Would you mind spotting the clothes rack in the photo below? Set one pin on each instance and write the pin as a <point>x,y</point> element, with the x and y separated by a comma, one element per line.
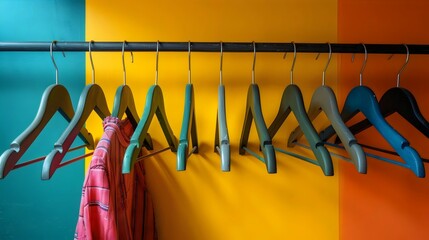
<point>215,47</point>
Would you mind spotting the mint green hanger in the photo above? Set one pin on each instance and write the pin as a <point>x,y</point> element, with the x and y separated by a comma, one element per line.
<point>124,102</point>
<point>254,112</point>
<point>292,102</point>
<point>189,127</point>
<point>91,99</point>
<point>154,105</point>
<point>221,135</point>
<point>55,98</point>
<point>324,99</point>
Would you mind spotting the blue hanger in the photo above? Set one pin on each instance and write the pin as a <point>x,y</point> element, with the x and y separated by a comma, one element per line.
<point>292,101</point>
<point>154,105</point>
<point>91,99</point>
<point>55,98</point>
<point>254,112</point>
<point>222,145</point>
<point>124,103</point>
<point>189,127</point>
<point>399,100</point>
<point>324,99</point>
<point>362,99</point>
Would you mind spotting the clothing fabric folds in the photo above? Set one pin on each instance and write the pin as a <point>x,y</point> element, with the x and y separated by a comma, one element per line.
<point>114,205</point>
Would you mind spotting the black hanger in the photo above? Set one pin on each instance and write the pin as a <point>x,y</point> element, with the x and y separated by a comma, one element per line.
<point>154,105</point>
<point>55,98</point>
<point>362,99</point>
<point>91,99</point>
<point>254,112</point>
<point>292,102</point>
<point>399,100</point>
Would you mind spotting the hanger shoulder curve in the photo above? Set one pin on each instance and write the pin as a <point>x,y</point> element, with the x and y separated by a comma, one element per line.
<point>324,100</point>
<point>124,104</point>
<point>254,112</point>
<point>189,128</point>
<point>222,145</point>
<point>91,99</point>
<point>154,106</point>
<point>55,98</point>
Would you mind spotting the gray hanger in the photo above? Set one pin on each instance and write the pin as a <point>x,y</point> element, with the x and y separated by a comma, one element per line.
<point>324,99</point>
<point>292,101</point>
<point>221,136</point>
<point>91,99</point>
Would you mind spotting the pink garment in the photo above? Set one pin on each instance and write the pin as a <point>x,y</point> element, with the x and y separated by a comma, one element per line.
<point>114,205</point>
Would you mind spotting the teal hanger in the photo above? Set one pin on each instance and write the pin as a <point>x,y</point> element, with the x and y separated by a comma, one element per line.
<point>292,101</point>
<point>91,99</point>
<point>362,99</point>
<point>221,136</point>
<point>124,103</point>
<point>254,112</point>
<point>55,98</point>
<point>154,105</point>
<point>189,127</point>
<point>324,99</point>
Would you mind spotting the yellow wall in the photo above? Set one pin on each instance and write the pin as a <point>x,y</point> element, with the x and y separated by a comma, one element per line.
<point>298,202</point>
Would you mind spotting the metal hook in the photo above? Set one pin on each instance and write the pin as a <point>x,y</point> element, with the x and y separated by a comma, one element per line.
<point>53,60</point>
<point>189,62</point>
<point>156,66</point>
<point>92,63</point>
<point>221,63</point>
<point>293,63</point>
<point>254,61</point>
<point>403,67</point>
<point>123,61</point>
<point>327,64</point>
<point>363,65</point>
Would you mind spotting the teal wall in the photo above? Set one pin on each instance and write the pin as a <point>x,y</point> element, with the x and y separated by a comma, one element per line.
<point>53,209</point>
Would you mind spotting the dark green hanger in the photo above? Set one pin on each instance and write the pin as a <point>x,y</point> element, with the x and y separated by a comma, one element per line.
<point>324,99</point>
<point>154,105</point>
<point>292,102</point>
<point>254,112</point>
<point>221,136</point>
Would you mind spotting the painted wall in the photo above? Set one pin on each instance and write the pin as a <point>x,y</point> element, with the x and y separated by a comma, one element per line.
<point>29,207</point>
<point>298,202</point>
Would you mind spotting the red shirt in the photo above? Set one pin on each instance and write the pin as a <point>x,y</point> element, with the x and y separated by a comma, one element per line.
<point>114,205</point>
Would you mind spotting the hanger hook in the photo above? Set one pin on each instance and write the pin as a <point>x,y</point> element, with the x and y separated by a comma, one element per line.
<point>156,66</point>
<point>363,65</point>
<point>293,62</point>
<point>53,60</point>
<point>123,61</point>
<point>398,77</point>
<point>92,63</point>
<point>327,64</point>
<point>254,61</point>
<point>189,62</point>
<point>221,63</point>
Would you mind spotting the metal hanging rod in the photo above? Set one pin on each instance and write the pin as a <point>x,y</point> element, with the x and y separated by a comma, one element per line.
<point>215,47</point>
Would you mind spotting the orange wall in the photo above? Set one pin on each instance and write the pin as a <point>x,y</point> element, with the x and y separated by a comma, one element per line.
<point>389,202</point>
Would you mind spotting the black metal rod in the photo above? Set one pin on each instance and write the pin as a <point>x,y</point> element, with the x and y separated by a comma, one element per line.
<point>215,47</point>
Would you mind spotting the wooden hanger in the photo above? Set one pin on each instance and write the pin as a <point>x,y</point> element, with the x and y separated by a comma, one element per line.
<point>189,127</point>
<point>91,99</point>
<point>221,144</point>
<point>324,99</point>
<point>254,112</point>
<point>362,99</point>
<point>154,105</point>
<point>55,98</point>
<point>292,102</point>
